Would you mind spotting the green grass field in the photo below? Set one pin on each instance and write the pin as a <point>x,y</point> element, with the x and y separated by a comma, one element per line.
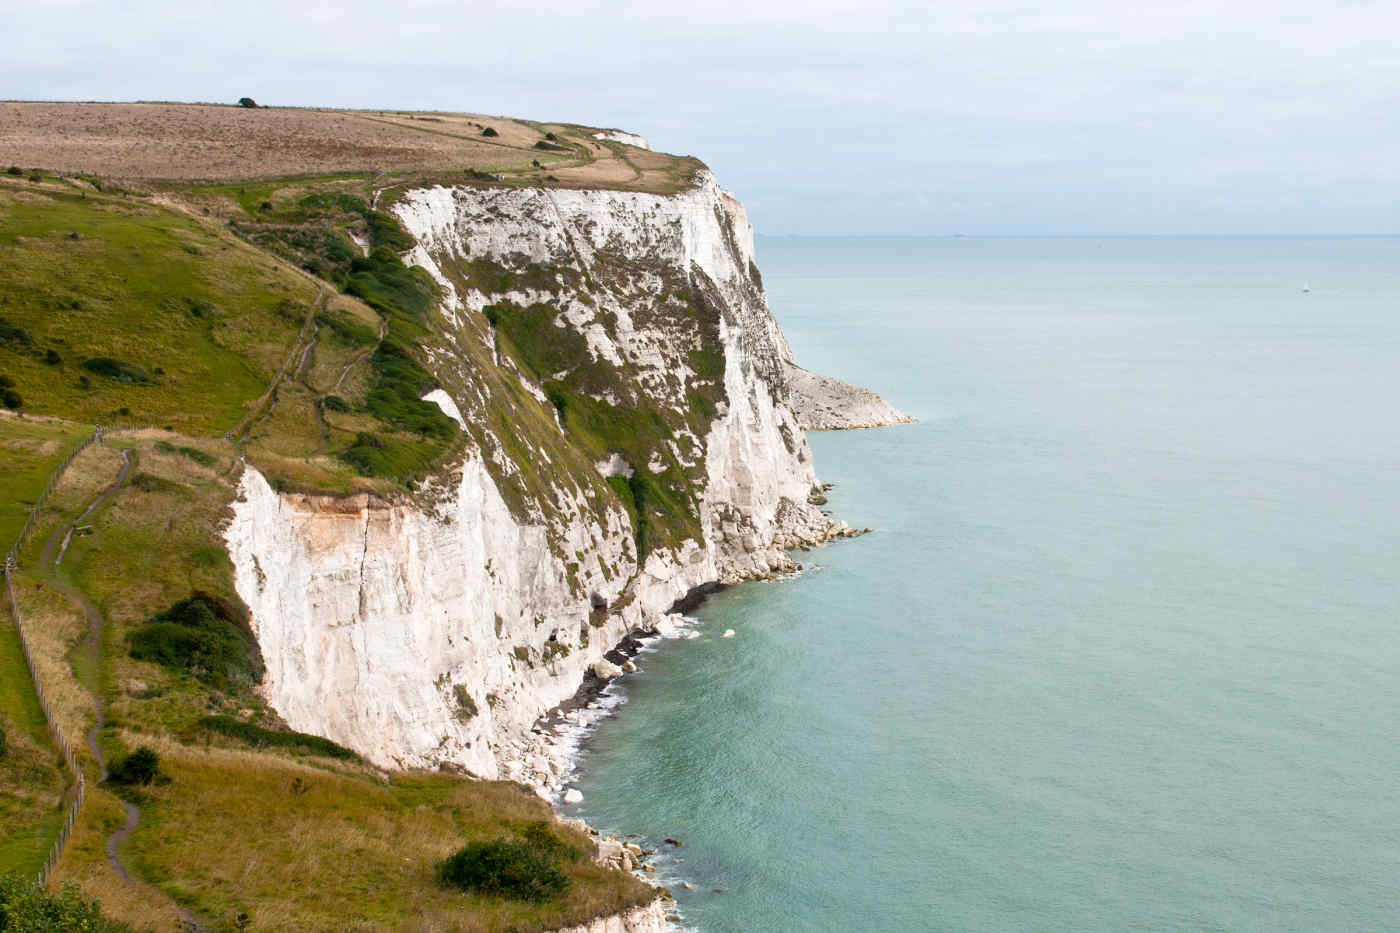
<point>29,450</point>
<point>201,321</point>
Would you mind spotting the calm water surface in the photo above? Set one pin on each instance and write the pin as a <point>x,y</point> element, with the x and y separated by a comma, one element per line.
<point>1124,652</point>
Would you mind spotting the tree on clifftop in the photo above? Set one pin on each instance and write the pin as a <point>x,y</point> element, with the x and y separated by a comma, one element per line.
<point>247,102</point>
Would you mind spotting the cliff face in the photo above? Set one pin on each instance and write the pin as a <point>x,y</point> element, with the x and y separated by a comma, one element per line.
<point>622,389</point>
<point>648,919</point>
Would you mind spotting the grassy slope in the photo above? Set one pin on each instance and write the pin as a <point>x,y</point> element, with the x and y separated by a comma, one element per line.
<point>148,287</point>
<point>164,290</point>
<point>322,849</point>
<point>31,774</point>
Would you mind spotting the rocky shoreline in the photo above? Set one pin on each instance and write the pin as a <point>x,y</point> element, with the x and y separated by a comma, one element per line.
<point>822,403</point>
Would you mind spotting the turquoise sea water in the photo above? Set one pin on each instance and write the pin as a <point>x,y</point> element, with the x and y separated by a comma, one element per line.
<point>1125,650</point>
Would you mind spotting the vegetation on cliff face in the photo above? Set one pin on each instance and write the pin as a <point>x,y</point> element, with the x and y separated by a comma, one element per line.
<point>604,407</point>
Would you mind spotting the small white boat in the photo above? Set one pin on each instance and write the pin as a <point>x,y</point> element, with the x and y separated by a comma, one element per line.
<point>1306,288</point>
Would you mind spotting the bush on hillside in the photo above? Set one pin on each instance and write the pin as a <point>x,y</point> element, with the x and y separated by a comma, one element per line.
<point>26,907</point>
<point>489,132</point>
<point>503,868</point>
<point>348,329</point>
<point>14,336</point>
<point>4,743</point>
<point>247,102</point>
<point>14,170</point>
<point>335,403</point>
<point>11,399</point>
<point>258,737</point>
<point>193,453</point>
<point>202,636</point>
<point>140,767</point>
<point>118,370</point>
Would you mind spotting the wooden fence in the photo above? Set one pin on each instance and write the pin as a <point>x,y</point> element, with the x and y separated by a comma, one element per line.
<point>11,564</point>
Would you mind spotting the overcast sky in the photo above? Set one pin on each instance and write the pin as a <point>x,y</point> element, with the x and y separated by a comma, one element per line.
<point>823,117</point>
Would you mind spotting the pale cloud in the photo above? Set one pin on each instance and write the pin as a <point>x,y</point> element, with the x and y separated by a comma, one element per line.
<point>836,117</point>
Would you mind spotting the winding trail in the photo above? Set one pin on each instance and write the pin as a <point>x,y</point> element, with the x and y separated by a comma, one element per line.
<point>301,352</point>
<point>90,650</point>
<point>320,405</point>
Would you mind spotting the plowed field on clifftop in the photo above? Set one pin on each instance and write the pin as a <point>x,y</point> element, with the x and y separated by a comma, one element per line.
<point>209,142</point>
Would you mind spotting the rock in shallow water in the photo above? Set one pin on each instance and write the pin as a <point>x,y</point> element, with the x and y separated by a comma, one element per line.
<point>572,795</point>
<point>604,669</point>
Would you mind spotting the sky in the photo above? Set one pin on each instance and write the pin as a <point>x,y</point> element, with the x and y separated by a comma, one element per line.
<point>881,117</point>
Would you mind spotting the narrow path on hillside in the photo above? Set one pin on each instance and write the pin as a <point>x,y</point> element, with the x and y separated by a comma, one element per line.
<point>321,399</point>
<point>300,352</point>
<point>383,329</point>
<point>89,655</point>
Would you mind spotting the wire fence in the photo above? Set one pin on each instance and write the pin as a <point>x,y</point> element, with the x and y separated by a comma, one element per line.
<point>11,565</point>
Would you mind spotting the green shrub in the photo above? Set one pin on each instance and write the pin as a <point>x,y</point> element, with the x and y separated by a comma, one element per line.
<point>194,453</point>
<point>384,283</point>
<point>337,201</point>
<point>247,102</point>
<point>51,357</point>
<point>149,482</point>
<point>466,706</point>
<point>25,907</point>
<point>335,403</point>
<point>198,456</point>
<point>14,170</point>
<point>203,636</point>
<point>118,370</point>
<point>258,737</point>
<point>489,132</point>
<point>396,396</point>
<point>384,230</point>
<point>11,399</point>
<point>210,555</point>
<point>515,870</point>
<point>4,743</point>
<point>14,336</point>
<point>348,329</point>
<point>140,767</point>
<point>403,460</point>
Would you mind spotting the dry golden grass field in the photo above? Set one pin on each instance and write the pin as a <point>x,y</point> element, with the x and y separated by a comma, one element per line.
<point>174,142</point>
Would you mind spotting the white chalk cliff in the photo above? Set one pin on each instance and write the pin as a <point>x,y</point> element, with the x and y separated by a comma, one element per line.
<point>435,629</point>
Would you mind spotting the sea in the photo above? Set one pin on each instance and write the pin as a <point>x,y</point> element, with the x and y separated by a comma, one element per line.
<point>1123,651</point>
